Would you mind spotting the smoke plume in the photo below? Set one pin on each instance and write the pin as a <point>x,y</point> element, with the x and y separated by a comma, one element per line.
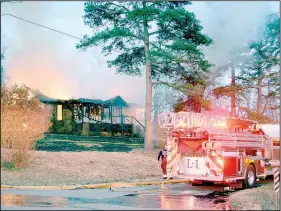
<point>231,25</point>
<point>49,61</point>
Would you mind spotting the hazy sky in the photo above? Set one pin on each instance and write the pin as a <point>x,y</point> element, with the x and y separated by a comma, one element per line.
<point>50,62</point>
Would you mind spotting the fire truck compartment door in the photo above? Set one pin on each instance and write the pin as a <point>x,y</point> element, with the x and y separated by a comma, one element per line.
<point>193,166</point>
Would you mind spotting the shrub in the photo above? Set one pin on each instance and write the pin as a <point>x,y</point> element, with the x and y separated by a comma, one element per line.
<point>23,122</point>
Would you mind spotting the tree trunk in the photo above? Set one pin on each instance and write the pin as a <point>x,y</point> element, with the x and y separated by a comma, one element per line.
<point>267,99</point>
<point>259,102</point>
<point>248,100</point>
<point>148,103</point>
<point>233,97</point>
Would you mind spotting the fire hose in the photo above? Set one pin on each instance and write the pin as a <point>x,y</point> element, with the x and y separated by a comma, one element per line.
<point>163,188</point>
<point>111,186</point>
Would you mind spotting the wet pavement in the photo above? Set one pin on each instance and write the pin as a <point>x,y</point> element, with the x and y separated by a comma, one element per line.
<point>178,196</point>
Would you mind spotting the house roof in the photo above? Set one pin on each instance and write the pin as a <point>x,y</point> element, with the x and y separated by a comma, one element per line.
<point>48,100</point>
<point>116,101</point>
<point>95,101</point>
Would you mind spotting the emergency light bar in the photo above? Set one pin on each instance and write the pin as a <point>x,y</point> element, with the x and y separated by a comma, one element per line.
<point>190,120</point>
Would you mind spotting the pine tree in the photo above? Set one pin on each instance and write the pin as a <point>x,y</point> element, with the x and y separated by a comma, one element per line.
<point>162,35</point>
<point>261,69</point>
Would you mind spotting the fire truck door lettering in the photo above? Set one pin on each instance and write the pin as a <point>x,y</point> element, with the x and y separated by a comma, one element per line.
<point>191,165</point>
<point>196,163</point>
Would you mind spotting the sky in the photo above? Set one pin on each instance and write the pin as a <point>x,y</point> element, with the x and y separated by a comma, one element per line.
<point>49,61</point>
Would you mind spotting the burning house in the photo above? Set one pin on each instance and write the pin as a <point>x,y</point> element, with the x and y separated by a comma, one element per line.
<point>95,116</point>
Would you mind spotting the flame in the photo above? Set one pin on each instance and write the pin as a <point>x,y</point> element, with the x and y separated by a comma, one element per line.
<point>221,124</point>
<point>41,73</point>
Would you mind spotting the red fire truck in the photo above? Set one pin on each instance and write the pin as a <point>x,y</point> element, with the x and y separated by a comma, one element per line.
<point>221,150</point>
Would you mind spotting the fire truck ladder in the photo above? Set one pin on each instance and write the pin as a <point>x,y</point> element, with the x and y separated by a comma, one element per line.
<point>239,140</point>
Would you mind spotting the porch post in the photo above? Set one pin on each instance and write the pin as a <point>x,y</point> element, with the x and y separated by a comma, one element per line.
<point>122,121</point>
<point>111,113</point>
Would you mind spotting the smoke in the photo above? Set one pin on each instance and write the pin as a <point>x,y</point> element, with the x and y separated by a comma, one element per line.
<point>49,61</point>
<point>231,25</point>
<point>33,53</point>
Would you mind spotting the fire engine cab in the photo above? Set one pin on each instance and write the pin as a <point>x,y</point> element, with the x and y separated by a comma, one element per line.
<point>222,150</point>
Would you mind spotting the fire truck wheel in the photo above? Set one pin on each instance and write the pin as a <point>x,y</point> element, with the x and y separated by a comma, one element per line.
<point>250,177</point>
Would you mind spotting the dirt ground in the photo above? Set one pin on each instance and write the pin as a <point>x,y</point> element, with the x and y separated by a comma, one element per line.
<point>76,168</point>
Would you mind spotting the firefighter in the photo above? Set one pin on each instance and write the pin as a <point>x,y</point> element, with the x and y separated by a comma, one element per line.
<point>163,154</point>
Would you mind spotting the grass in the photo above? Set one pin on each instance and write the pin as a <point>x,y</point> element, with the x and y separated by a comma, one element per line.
<point>75,143</point>
<point>8,165</point>
<point>260,198</point>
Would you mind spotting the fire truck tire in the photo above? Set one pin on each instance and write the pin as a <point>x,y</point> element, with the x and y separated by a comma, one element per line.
<point>250,177</point>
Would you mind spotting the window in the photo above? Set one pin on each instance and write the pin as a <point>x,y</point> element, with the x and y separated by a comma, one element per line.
<point>59,112</point>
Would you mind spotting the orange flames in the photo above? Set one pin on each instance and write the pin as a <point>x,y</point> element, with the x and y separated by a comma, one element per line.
<point>40,73</point>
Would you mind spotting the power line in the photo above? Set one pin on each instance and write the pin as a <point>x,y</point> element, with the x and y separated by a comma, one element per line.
<point>7,1</point>
<point>3,1</point>
<point>42,26</point>
<point>59,16</point>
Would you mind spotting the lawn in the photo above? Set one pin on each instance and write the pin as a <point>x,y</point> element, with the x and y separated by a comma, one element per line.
<point>74,143</point>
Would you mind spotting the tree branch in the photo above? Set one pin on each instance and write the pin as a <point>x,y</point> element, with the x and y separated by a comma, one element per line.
<point>158,31</point>
<point>270,16</point>
<point>120,6</point>
<point>160,82</point>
